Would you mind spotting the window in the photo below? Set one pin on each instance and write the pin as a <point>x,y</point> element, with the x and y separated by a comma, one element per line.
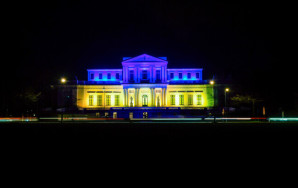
<point>190,100</point>
<point>99,100</point>
<point>199,99</point>
<point>99,76</point>
<point>117,76</point>
<point>90,100</point>
<point>116,100</point>
<point>144,75</point>
<point>91,76</point>
<point>109,75</point>
<point>158,75</point>
<point>180,75</point>
<point>181,99</point>
<point>172,97</point>
<point>189,75</point>
<point>197,75</point>
<point>131,75</point>
<point>108,100</point>
<point>172,75</point>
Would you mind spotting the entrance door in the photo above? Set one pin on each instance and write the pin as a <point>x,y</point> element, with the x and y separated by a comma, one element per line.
<point>145,100</point>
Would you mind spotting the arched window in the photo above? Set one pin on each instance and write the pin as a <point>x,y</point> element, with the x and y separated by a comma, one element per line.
<point>131,102</point>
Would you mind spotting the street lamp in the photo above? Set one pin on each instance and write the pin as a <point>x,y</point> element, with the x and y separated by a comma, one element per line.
<point>212,84</point>
<point>226,90</point>
<point>62,81</point>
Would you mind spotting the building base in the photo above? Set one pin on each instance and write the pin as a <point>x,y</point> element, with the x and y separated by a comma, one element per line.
<point>149,112</point>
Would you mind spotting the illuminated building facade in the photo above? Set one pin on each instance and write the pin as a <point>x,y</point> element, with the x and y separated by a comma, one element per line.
<point>144,82</point>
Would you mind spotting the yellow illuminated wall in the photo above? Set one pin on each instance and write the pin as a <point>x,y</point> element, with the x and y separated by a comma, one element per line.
<point>206,91</point>
<point>84,91</point>
<point>136,95</point>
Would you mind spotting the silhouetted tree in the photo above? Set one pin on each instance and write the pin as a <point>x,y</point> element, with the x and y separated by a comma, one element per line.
<point>29,99</point>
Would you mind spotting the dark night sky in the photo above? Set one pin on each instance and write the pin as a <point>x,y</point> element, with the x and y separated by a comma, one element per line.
<point>241,43</point>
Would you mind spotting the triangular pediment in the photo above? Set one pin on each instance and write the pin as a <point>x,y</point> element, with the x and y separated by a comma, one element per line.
<point>144,58</point>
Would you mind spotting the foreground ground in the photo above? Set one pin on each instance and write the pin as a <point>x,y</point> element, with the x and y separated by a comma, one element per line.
<point>134,133</point>
<point>223,153</point>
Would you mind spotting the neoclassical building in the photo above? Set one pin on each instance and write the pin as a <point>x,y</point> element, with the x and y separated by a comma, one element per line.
<point>144,82</point>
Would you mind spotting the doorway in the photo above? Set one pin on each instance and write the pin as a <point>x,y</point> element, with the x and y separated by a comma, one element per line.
<point>145,100</point>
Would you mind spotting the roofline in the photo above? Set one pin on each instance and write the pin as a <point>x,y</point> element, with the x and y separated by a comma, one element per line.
<point>146,61</point>
<point>104,69</point>
<point>182,69</point>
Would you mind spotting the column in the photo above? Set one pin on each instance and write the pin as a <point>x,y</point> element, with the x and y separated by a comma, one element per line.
<point>162,91</point>
<point>166,75</point>
<point>161,75</point>
<point>154,74</point>
<point>164,96</point>
<point>135,97</point>
<point>154,97</point>
<point>165,103</point>
<point>138,96</point>
<point>161,98</point>
<point>126,74</point>
<point>137,70</point>
<point>151,89</point>
<point>151,74</point>
<point>139,74</point>
<point>123,74</point>
<point>127,97</point>
<point>124,95</point>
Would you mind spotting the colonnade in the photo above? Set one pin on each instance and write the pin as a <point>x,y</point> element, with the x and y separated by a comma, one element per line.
<point>138,98</point>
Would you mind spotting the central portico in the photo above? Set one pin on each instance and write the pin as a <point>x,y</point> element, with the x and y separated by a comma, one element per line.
<point>144,69</point>
<point>144,95</point>
<point>144,81</point>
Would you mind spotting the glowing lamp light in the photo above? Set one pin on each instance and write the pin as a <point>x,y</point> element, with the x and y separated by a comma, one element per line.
<point>63,80</point>
<point>212,82</point>
<point>227,89</point>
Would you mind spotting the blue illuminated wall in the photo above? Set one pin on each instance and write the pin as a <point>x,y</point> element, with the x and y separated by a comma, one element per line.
<point>186,75</point>
<point>102,74</point>
<point>145,69</point>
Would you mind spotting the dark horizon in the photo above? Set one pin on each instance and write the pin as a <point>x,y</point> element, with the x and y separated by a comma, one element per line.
<point>243,45</point>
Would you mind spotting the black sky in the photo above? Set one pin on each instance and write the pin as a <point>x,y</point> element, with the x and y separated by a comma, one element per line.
<point>244,43</point>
